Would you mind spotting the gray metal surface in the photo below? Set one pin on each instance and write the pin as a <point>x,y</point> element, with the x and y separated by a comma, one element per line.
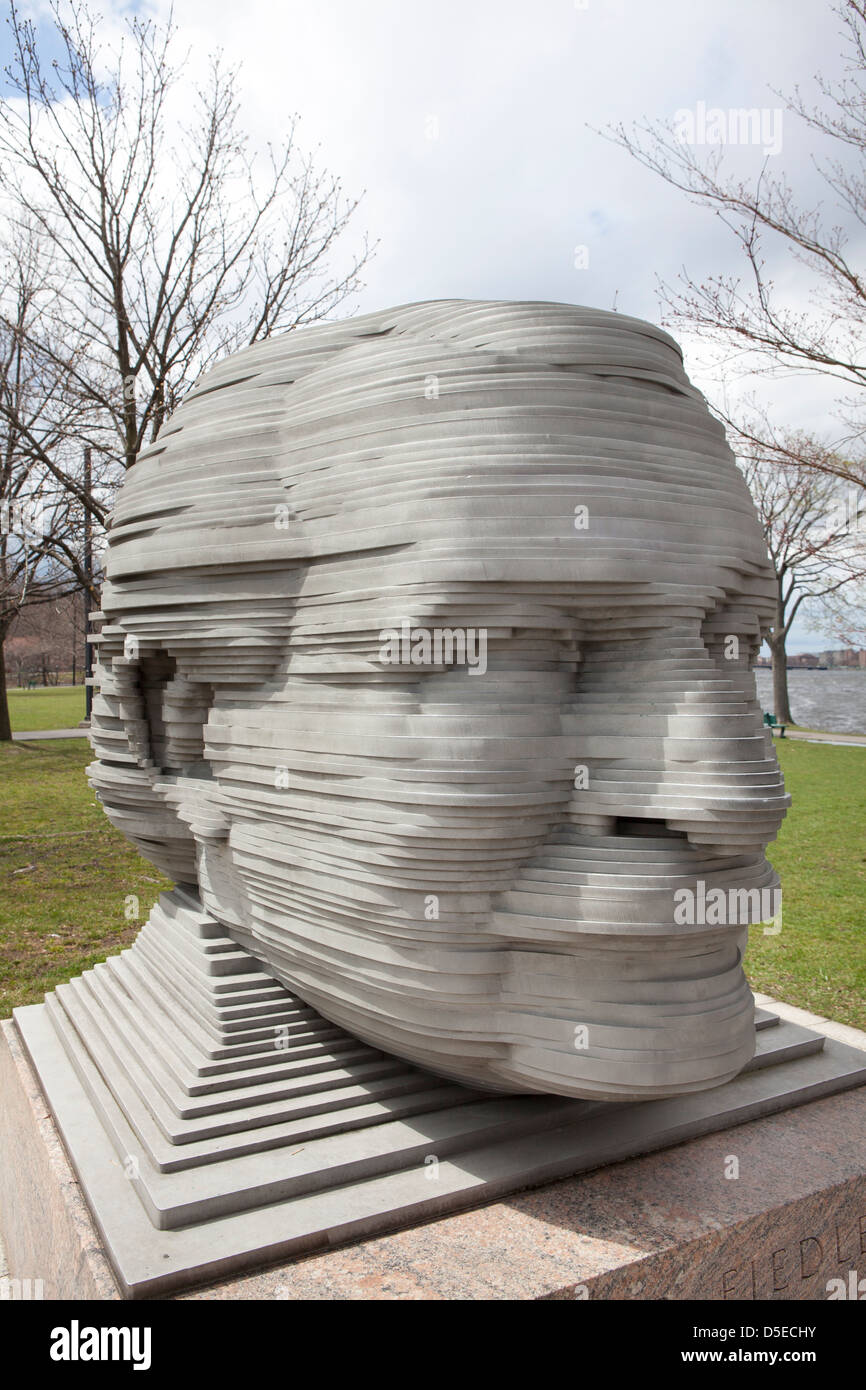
<point>216,1123</point>
<point>469,864</point>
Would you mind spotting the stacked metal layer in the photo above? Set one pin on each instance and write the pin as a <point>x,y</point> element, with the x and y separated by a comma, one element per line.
<point>426,663</point>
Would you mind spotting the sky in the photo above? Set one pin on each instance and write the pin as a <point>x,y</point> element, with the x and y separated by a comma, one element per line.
<point>471,127</point>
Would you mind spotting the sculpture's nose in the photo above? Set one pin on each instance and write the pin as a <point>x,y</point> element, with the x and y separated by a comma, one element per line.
<point>666,731</point>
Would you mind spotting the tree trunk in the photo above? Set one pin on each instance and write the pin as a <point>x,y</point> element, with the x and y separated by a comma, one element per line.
<point>5,722</point>
<point>781,704</point>
<point>776,642</point>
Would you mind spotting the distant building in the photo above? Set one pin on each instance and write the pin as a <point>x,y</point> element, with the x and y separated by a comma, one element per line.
<point>850,657</point>
<point>844,656</point>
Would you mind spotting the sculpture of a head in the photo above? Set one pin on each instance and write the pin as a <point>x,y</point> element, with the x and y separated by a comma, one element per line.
<point>426,661</point>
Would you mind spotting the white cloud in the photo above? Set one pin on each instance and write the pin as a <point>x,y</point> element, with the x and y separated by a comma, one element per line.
<point>516,179</point>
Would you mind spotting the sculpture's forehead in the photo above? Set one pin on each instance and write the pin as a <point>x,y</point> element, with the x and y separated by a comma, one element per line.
<point>471,438</point>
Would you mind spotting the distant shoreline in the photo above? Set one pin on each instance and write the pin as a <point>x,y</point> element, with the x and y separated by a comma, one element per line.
<point>814,668</point>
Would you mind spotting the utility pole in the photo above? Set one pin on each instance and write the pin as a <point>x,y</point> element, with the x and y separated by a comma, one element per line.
<point>88,591</point>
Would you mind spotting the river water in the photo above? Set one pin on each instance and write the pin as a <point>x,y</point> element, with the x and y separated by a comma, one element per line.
<point>833,700</point>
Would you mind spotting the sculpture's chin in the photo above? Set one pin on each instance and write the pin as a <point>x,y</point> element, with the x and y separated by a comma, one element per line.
<point>577,981</point>
<point>673,1021</point>
<point>579,1005</point>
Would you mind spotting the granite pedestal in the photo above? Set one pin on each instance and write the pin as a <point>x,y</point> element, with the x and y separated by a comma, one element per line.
<point>201,1151</point>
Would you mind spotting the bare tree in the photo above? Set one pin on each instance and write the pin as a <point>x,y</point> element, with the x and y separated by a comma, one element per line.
<point>45,642</point>
<point>841,616</point>
<point>794,476</point>
<point>38,521</point>
<point>816,542</point>
<point>752,425</point>
<point>751,315</point>
<point>162,248</point>
<point>176,245</point>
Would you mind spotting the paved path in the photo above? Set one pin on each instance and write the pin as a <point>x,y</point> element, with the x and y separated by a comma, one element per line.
<point>29,734</point>
<point>841,740</point>
<point>842,1032</point>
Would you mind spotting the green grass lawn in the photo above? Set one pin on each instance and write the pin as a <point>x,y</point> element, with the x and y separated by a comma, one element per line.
<point>67,876</point>
<point>818,960</point>
<point>54,707</point>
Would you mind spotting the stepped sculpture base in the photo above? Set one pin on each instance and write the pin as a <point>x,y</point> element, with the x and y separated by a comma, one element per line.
<point>216,1123</point>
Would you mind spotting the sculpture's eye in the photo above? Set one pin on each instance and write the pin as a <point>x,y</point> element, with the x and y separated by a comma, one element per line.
<point>175,710</point>
<point>154,674</point>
